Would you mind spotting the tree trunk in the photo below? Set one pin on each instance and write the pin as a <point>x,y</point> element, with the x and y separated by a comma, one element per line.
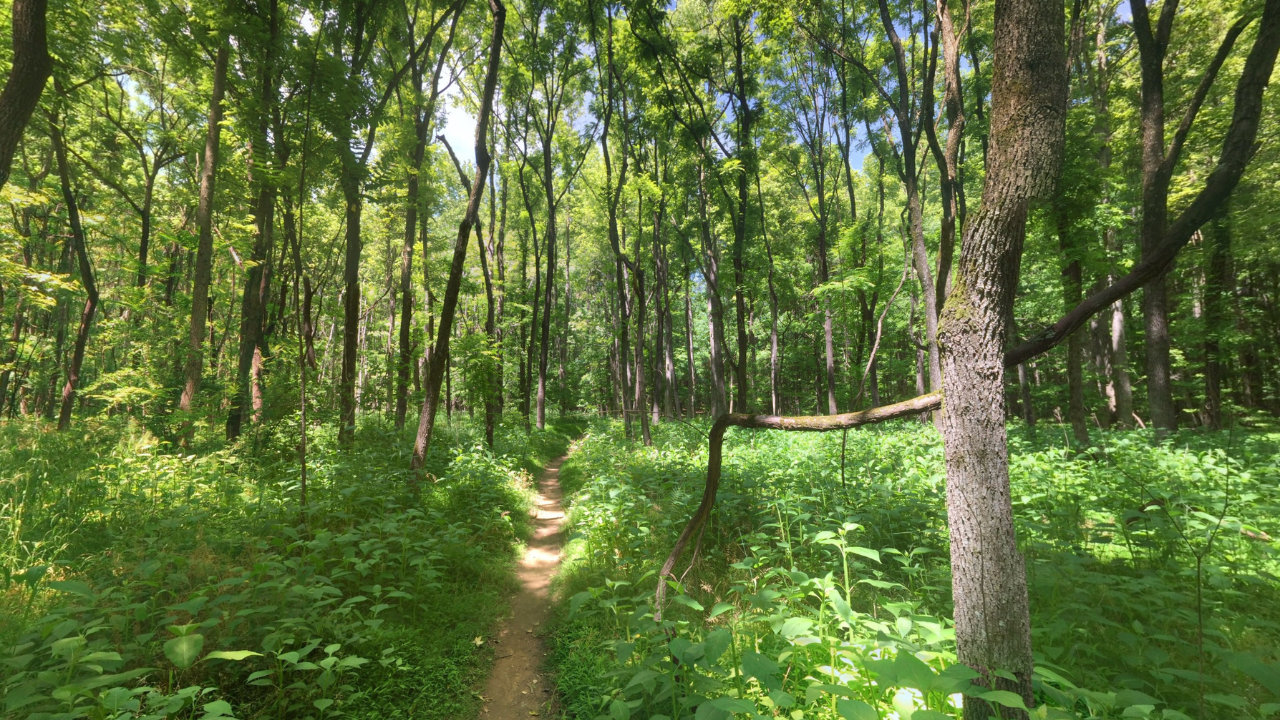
<point>1072,290</point>
<point>204,247</point>
<point>86,274</point>
<point>439,356</point>
<point>350,297</point>
<point>253,307</point>
<point>27,77</point>
<point>1219,282</point>
<point>715,310</point>
<point>688,338</point>
<point>500,260</point>
<point>1119,387</point>
<point>993,627</point>
<point>490,325</point>
<point>406,272</point>
<point>638,374</point>
<point>745,150</point>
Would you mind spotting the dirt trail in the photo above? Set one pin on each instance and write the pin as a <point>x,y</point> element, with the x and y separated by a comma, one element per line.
<point>518,689</point>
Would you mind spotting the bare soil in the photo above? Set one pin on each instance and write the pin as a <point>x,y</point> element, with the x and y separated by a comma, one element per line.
<point>518,688</point>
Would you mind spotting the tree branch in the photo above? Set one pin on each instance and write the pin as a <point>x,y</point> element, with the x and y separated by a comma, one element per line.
<point>1197,100</point>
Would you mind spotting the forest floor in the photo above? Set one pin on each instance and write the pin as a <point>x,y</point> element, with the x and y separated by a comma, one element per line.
<point>821,588</point>
<point>136,579</point>
<point>518,687</point>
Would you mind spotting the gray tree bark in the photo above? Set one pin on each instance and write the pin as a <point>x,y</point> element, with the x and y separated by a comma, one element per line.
<point>1029,92</point>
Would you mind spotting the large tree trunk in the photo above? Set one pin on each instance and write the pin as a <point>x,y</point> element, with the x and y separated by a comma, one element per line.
<point>993,625</point>
<point>204,247</point>
<point>86,275</point>
<point>27,77</point>
<point>440,355</point>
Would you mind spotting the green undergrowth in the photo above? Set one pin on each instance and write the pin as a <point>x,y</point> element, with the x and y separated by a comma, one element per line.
<point>823,591</point>
<point>141,582</point>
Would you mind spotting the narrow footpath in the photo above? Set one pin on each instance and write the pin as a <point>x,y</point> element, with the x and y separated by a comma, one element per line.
<point>518,689</point>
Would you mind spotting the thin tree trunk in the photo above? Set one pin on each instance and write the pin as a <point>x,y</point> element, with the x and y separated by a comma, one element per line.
<point>86,274</point>
<point>204,247</point>
<point>1119,387</point>
<point>439,357</point>
<point>688,337</point>
<point>548,300</point>
<point>490,319</point>
<point>1072,291</point>
<point>638,374</point>
<point>1219,281</point>
<point>745,150</point>
<point>715,310</point>
<point>406,272</point>
<point>257,284</point>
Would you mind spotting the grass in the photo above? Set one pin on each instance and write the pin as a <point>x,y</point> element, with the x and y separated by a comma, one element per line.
<point>143,582</point>
<point>823,591</point>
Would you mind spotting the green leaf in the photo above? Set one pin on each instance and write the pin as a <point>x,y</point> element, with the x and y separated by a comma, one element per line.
<point>688,602</point>
<point>74,587</point>
<point>116,679</point>
<point>842,608</point>
<point>719,609</point>
<point>234,655</point>
<point>1005,698</point>
<point>1234,701</point>
<point>716,643</point>
<point>185,650</point>
<point>1268,676</point>
<point>1125,698</point>
<point>795,627</point>
<point>913,673</point>
<point>575,602</point>
<point>217,709</point>
<point>782,699</point>
<point>755,665</point>
<point>191,606</point>
<point>856,710</point>
<point>619,710</point>
<point>733,705</point>
<point>865,552</point>
<point>323,703</point>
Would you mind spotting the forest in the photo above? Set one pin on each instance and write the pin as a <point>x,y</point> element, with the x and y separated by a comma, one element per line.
<point>613,359</point>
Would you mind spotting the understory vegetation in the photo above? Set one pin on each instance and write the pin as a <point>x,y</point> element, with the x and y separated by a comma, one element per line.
<point>821,585</point>
<point>141,581</point>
